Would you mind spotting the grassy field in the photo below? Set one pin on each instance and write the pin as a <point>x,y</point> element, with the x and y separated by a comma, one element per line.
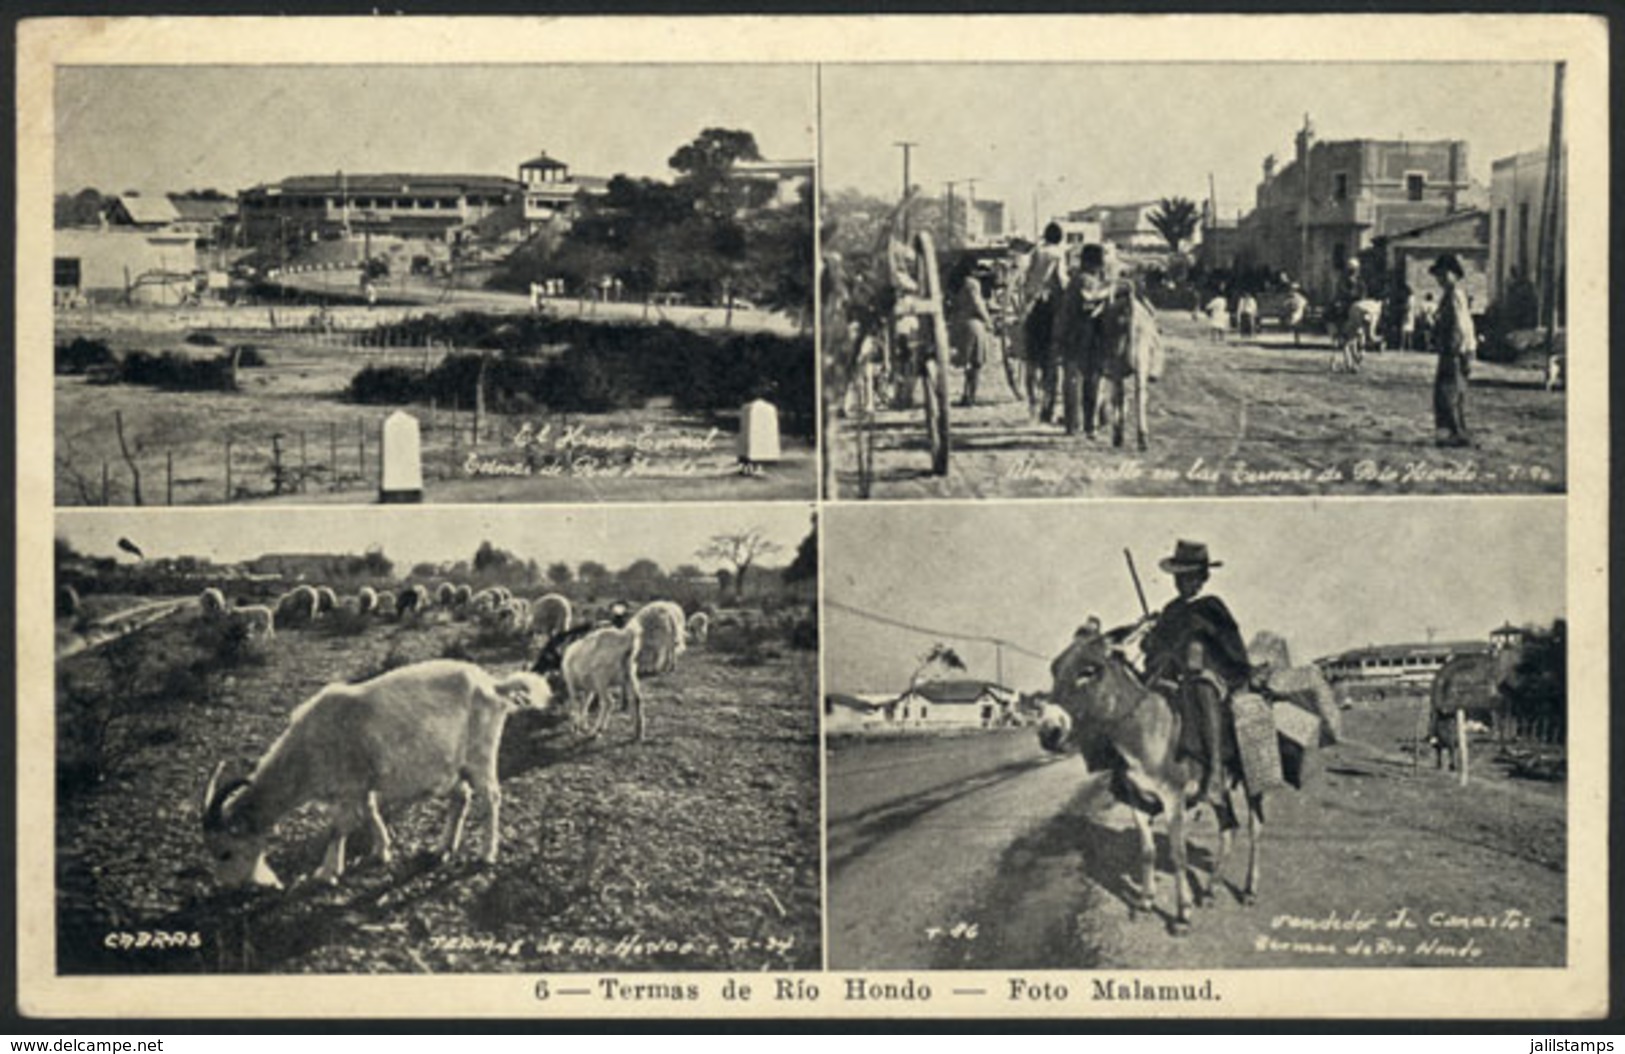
<point>695,850</point>
<point>330,448</point>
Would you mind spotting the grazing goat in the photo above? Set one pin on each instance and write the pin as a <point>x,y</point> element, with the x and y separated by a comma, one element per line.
<point>462,595</point>
<point>428,729</point>
<point>485,600</point>
<point>366,600</point>
<point>386,603</point>
<point>699,627</point>
<point>598,665</point>
<point>664,636</point>
<point>212,601</point>
<point>298,605</point>
<point>414,599</point>
<point>551,614</point>
<point>326,600</point>
<point>446,595</point>
<point>551,659</point>
<point>258,619</point>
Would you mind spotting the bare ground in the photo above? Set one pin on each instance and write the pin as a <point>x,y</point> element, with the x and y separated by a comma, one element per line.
<point>1044,865</point>
<point>697,849</point>
<point>1253,417</point>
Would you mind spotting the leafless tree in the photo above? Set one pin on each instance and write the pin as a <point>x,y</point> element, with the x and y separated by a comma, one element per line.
<point>741,549</point>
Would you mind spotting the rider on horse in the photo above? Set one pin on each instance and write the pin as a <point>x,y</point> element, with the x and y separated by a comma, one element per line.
<point>1194,654</point>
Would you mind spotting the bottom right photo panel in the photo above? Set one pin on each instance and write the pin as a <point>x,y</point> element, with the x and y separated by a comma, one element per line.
<point>1198,735</point>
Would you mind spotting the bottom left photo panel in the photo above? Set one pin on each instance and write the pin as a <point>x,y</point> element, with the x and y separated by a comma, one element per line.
<point>437,740</point>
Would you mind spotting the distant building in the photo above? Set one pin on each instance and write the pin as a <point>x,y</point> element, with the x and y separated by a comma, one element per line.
<point>1397,664</point>
<point>424,207</point>
<point>1408,255</point>
<point>551,192</point>
<point>147,213</point>
<point>1126,226</point>
<point>1075,234</point>
<point>1218,246</point>
<point>125,264</point>
<point>787,179</point>
<point>1335,198</point>
<point>1517,187</point>
<point>1507,636</point>
<point>211,220</point>
<point>957,703</point>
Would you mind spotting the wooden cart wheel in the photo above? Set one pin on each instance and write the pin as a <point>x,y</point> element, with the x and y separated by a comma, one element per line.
<point>934,362</point>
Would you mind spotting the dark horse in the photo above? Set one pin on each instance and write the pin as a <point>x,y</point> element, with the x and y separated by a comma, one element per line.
<point>1102,709</point>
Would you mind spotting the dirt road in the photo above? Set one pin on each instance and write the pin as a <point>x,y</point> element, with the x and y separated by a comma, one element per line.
<point>1253,417</point>
<point>1374,864</point>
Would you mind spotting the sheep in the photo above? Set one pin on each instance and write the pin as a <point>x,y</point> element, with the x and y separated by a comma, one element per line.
<point>514,616</point>
<point>386,604</point>
<point>664,636</point>
<point>598,664</point>
<point>326,600</point>
<point>212,601</point>
<point>426,729</point>
<point>258,619</point>
<point>366,600</point>
<point>551,614</point>
<point>699,627</point>
<point>463,595</point>
<point>486,600</point>
<point>446,595</point>
<point>297,606</point>
<point>413,599</point>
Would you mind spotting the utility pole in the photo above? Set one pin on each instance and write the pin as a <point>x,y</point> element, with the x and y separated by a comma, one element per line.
<point>907,147</point>
<point>1303,233</point>
<point>1551,213</point>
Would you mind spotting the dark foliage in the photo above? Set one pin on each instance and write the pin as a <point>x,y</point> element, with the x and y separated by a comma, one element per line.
<point>175,372</point>
<point>82,355</point>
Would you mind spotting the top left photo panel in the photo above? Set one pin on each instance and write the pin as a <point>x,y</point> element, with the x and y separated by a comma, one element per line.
<point>360,284</point>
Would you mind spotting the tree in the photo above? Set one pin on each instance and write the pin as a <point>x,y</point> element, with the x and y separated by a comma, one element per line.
<point>940,656</point>
<point>725,579</point>
<point>559,574</point>
<point>741,549</point>
<point>1175,219</point>
<point>642,577</point>
<point>490,558</point>
<point>805,565</point>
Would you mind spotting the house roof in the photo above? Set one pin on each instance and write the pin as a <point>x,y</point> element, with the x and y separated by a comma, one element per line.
<point>203,210</point>
<point>390,183</point>
<point>851,702</point>
<point>154,210</point>
<point>543,161</point>
<point>1433,650</point>
<point>958,691</point>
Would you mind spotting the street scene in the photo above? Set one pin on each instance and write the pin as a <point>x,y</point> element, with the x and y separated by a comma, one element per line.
<point>299,713</point>
<point>1016,702</point>
<point>609,300</point>
<point>1327,279</point>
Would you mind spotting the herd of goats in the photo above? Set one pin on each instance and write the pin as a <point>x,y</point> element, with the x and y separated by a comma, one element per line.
<point>427,729</point>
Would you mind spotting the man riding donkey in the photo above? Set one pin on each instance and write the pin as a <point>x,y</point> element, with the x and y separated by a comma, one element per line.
<point>1195,655</point>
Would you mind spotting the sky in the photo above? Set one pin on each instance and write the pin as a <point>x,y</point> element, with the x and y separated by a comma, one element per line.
<point>158,129</point>
<point>1328,575</point>
<point>612,535</point>
<point>1100,133</point>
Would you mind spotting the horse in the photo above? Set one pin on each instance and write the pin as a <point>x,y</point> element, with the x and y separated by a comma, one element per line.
<point>1357,333</point>
<point>1101,708</point>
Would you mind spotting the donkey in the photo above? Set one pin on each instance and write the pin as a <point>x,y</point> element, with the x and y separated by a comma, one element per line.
<point>1103,710</point>
<point>1130,348</point>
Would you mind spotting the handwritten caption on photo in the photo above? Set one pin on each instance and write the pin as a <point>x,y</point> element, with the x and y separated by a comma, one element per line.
<point>577,452</point>
<point>1402,932</point>
<point>1243,474</point>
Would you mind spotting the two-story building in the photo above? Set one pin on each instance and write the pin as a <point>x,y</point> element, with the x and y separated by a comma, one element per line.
<point>1335,198</point>
<point>552,192</point>
<point>1517,192</point>
<point>409,206</point>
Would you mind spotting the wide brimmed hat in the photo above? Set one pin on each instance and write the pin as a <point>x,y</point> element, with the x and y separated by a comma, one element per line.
<point>1188,556</point>
<point>1447,262</point>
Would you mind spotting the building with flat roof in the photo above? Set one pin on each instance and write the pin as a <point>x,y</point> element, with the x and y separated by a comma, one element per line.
<point>427,207</point>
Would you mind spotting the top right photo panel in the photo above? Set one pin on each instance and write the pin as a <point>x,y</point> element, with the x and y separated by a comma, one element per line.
<point>1167,279</point>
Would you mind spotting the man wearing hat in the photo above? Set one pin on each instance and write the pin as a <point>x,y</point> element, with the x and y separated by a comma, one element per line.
<point>1080,340</point>
<point>1455,342</point>
<point>1196,645</point>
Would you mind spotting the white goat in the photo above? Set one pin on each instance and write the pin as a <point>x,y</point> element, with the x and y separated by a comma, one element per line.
<point>427,729</point>
<point>366,600</point>
<point>699,627</point>
<point>551,614</point>
<point>297,606</point>
<point>386,603</point>
<point>326,599</point>
<point>412,600</point>
<point>445,595</point>
<point>664,636</point>
<point>598,666</point>
<point>212,601</point>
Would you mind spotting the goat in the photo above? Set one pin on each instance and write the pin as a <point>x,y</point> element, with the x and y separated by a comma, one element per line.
<point>298,605</point>
<point>598,664</point>
<point>551,614</point>
<point>258,619</point>
<point>366,600</point>
<point>699,627</point>
<point>326,599</point>
<point>446,595</point>
<point>386,603</point>
<point>426,729</point>
<point>212,601</point>
<point>412,600</point>
<point>664,636</point>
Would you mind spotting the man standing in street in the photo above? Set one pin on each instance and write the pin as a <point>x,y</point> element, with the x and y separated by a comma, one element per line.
<point>1455,342</point>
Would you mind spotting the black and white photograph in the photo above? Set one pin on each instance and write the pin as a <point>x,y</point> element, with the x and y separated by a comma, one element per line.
<point>1051,280</point>
<point>425,741</point>
<point>1199,736</point>
<point>573,283</point>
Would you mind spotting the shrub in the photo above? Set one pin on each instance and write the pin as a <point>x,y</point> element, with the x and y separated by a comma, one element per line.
<point>177,372</point>
<point>202,339</point>
<point>344,622</point>
<point>803,634</point>
<point>82,355</point>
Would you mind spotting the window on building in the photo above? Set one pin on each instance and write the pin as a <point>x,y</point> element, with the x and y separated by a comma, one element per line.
<point>65,272</point>
<point>1415,183</point>
<point>1340,186</point>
